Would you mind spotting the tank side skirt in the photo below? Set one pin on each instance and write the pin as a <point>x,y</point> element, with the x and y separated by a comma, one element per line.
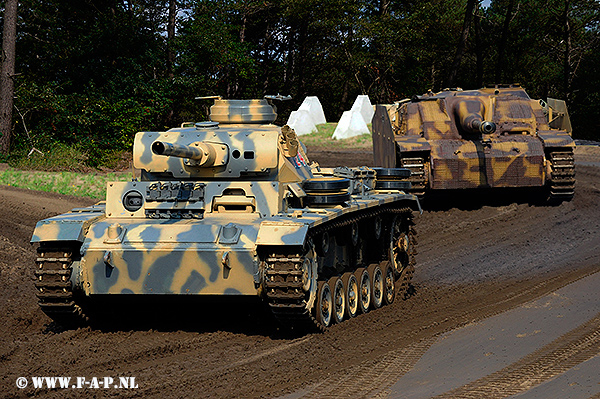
<point>283,272</point>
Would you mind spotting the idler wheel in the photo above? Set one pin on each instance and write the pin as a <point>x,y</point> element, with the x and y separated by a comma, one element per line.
<point>350,293</point>
<point>339,299</point>
<point>399,245</point>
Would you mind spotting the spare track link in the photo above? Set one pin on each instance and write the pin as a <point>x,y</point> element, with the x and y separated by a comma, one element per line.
<point>418,178</point>
<point>283,275</point>
<point>562,179</point>
<point>54,287</point>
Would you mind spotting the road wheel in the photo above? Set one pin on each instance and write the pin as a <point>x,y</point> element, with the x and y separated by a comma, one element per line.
<point>350,293</point>
<point>338,299</point>
<point>324,305</point>
<point>377,285</point>
<point>389,284</point>
<point>364,289</point>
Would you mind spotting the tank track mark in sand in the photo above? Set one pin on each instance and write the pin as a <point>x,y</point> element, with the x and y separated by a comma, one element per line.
<point>567,351</point>
<point>54,287</point>
<point>562,177</point>
<point>283,275</point>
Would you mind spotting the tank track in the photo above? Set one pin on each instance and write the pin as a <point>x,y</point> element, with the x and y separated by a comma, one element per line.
<point>418,174</point>
<point>54,287</point>
<point>283,275</point>
<point>562,176</point>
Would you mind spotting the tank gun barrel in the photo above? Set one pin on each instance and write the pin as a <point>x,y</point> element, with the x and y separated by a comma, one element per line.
<point>470,118</point>
<point>199,153</point>
<point>482,126</point>
<point>177,150</point>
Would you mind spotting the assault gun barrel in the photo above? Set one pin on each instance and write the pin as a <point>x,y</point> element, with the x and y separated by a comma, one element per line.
<point>470,118</point>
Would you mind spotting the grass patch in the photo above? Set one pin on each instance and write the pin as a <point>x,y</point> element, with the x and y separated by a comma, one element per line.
<point>59,158</point>
<point>322,138</point>
<point>92,185</point>
<point>71,158</point>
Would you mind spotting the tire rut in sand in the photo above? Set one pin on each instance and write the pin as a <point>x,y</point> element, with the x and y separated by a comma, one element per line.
<point>567,351</point>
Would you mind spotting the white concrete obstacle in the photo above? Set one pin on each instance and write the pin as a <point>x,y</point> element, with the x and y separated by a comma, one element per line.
<point>301,122</point>
<point>351,124</point>
<point>363,105</point>
<point>314,108</point>
<point>307,117</point>
<point>354,122</point>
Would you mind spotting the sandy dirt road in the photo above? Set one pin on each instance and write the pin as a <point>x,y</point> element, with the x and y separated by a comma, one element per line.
<point>477,259</point>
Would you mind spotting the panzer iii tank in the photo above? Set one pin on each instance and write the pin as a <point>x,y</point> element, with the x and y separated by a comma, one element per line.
<point>489,138</point>
<point>234,210</point>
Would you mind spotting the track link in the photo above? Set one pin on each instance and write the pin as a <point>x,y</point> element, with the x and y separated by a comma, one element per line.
<point>54,286</point>
<point>283,281</point>
<point>562,177</point>
<point>418,174</point>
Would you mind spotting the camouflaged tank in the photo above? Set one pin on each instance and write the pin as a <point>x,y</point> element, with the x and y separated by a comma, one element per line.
<point>232,208</point>
<point>489,138</point>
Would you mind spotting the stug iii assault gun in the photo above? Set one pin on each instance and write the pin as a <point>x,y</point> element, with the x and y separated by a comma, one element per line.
<point>233,208</point>
<point>494,137</point>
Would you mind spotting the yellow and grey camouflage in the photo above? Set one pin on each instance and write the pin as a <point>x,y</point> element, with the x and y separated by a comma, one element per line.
<point>489,138</point>
<point>229,210</point>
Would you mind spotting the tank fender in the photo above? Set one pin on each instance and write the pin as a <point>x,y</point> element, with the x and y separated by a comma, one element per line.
<point>413,144</point>
<point>553,138</point>
<point>67,227</point>
<point>281,233</point>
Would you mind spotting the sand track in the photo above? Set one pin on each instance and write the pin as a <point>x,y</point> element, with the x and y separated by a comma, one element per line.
<point>476,259</point>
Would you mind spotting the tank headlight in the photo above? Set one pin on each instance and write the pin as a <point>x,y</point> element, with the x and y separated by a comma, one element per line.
<point>133,200</point>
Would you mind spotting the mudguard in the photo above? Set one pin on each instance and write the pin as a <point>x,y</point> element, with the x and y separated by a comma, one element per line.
<point>67,227</point>
<point>553,138</point>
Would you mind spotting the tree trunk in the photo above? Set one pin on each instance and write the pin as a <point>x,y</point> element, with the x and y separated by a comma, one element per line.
<point>462,44</point>
<point>7,85</point>
<point>171,37</point>
<point>301,61</point>
<point>503,40</point>
<point>479,50</point>
<point>384,7</point>
<point>567,53</point>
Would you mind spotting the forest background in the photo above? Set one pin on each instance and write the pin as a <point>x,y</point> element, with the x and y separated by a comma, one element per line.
<point>90,74</point>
